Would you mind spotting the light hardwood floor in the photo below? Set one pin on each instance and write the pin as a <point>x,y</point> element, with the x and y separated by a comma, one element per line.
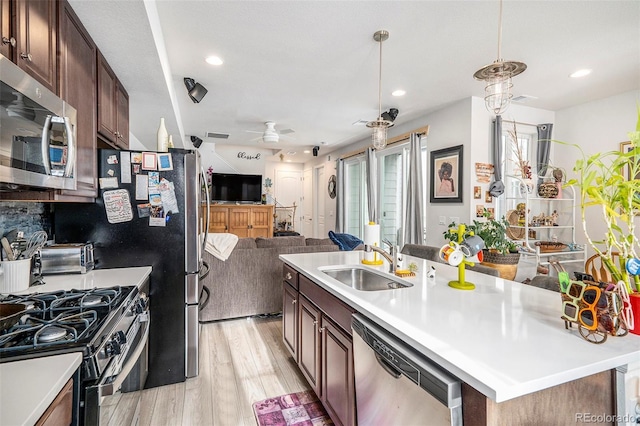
<point>241,361</point>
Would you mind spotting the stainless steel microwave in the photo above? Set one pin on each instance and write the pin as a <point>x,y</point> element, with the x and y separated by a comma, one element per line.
<point>37,133</point>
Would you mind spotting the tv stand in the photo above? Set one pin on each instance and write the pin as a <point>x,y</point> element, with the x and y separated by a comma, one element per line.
<point>243,220</point>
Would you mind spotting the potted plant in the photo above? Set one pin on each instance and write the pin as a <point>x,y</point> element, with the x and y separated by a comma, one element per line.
<point>500,252</point>
<point>609,182</point>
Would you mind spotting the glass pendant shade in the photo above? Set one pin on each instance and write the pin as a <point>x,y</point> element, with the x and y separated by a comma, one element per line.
<point>497,94</point>
<point>379,137</point>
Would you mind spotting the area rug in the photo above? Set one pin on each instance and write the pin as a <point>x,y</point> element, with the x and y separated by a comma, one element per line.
<point>302,408</point>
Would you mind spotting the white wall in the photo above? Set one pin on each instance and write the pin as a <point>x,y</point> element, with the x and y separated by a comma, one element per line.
<point>597,126</point>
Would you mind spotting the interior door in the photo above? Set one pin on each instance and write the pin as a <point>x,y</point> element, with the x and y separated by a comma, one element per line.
<point>307,202</point>
<point>288,190</point>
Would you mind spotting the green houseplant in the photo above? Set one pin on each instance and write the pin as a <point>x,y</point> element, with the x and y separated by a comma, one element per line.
<point>609,182</point>
<point>500,252</point>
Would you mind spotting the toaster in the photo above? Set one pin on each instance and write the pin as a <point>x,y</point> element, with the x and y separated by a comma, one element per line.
<point>66,258</point>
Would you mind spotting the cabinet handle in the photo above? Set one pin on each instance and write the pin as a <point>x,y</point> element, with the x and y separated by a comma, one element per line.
<point>11,41</point>
<point>288,276</point>
<point>315,323</point>
<point>294,301</point>
<point>26,56</point>
<point>321,330</point>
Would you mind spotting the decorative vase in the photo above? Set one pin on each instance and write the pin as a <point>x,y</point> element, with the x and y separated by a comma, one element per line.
<point>634,300</point>
<point>527,186</point>
<point>163,137</point>
<point>170,142</point>
<point>506,264</point>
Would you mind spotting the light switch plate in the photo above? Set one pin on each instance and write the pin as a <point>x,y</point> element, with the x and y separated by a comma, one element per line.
<point>454,219</point>
<point>442,220</point>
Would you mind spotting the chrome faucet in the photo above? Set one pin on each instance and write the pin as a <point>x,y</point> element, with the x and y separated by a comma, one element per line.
<point>391,256</point>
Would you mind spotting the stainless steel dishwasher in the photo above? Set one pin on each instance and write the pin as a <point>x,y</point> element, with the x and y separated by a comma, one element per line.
<point>395,385</point>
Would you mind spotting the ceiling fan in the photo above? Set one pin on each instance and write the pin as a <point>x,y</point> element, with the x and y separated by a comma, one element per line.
<point>270,134</point>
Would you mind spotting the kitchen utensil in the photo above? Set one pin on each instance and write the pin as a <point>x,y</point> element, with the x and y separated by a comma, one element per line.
<point>7,248</point>
<point>36,241</point>
<point>10,314</point>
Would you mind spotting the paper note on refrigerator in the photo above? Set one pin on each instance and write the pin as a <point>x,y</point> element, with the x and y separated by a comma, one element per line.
<point>117,205</point>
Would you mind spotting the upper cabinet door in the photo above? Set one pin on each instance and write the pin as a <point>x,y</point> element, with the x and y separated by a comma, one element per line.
<point>77,71</point>
<point>7,37</point>
<point>122,117</point>
<point>107,107</point>
<point>36,40</point>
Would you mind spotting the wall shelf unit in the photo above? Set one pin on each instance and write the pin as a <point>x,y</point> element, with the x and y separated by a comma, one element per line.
<point>544,227</point>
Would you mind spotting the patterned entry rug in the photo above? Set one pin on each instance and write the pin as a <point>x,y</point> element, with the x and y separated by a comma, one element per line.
<point>302,408</point>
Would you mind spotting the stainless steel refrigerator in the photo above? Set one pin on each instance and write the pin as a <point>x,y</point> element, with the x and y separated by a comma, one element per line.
<point>166,232</point>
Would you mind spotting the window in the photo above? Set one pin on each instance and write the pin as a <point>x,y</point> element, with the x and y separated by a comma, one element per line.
<point>510,161</point>
<point>393,165</point>
<point>355,202</point>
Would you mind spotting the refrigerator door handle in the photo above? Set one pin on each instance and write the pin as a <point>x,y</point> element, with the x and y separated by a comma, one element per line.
<point>207,215</point>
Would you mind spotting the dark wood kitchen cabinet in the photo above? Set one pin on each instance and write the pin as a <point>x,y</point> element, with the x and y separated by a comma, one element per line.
<point>113,107</point>
<point>324,344</point>
<point>77,86</point>
<point>7,37</point>
<point>290,311</point>
<point>60,412</point>
<point>309,318</point>
<point>36,39</point>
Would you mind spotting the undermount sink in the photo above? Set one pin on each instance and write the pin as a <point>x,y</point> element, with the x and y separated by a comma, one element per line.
<point>365,279</point>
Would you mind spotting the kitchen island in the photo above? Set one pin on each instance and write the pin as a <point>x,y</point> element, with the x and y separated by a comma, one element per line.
<point>504,340</point>
<point>32,384</point>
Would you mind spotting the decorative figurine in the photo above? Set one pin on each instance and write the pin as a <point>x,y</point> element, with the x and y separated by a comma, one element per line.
<point>558,175</point>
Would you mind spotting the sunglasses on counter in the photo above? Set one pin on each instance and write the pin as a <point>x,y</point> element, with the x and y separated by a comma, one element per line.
<point>626,313</point>
<point>592,298</point>
<point>581,276</point>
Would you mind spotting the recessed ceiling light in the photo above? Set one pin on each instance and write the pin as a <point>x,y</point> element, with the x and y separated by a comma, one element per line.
<point>580,73</point>
<point>306,151</point>
<point>214,60</point>
<point>398,92</point>
<point>291,153</point>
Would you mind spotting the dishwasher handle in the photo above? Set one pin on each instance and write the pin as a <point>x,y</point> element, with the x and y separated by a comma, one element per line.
<point>388,367</point>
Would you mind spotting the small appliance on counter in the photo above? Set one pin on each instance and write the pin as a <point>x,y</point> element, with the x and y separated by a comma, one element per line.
<point>67,258</point>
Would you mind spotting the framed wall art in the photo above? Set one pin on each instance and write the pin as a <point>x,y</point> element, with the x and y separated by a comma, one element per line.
<point>446,175</point>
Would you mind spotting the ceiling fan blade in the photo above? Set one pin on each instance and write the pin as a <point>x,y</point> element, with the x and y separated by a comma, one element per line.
<point>286,131</point>
<point>254,131</point>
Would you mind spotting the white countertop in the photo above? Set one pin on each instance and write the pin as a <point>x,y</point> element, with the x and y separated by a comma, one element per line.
<point>28,387</point>
<point>506,339</point>
<point>100,278</point>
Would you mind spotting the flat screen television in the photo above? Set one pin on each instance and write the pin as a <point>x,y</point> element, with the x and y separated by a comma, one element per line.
<point>236,188</point>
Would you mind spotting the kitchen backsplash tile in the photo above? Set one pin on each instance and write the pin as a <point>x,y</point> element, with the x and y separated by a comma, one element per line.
<point>27,217</point>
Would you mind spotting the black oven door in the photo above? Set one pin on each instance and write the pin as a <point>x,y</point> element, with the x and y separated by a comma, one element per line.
<point>125,375</point>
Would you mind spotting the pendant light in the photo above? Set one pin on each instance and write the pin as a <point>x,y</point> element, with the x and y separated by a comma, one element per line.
<point>497,93</point>
<point>380,126</point>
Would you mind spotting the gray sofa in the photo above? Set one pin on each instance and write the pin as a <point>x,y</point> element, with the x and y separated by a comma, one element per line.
<point>432,253</point>
<point>249,282</point>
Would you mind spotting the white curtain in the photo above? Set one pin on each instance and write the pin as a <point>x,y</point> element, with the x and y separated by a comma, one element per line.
<point>413,233</point>
<point>341,188</point>
<point>372,190</point>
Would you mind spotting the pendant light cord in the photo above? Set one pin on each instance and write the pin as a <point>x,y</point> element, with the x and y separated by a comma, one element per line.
<point>500,33</point>
<point>380,83</point>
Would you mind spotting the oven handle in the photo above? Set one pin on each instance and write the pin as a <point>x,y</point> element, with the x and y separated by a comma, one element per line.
<point>108,389</point>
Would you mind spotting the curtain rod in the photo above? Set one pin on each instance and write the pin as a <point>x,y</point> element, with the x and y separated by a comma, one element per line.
<point>519,122</point>
<point>422,131</point>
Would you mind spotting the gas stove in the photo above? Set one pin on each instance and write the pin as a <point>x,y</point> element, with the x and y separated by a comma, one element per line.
<point>108,325</point>
<point>62,321</point>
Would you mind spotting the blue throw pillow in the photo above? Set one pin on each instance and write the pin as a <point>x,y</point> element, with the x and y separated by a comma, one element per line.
<point>346,242</point>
